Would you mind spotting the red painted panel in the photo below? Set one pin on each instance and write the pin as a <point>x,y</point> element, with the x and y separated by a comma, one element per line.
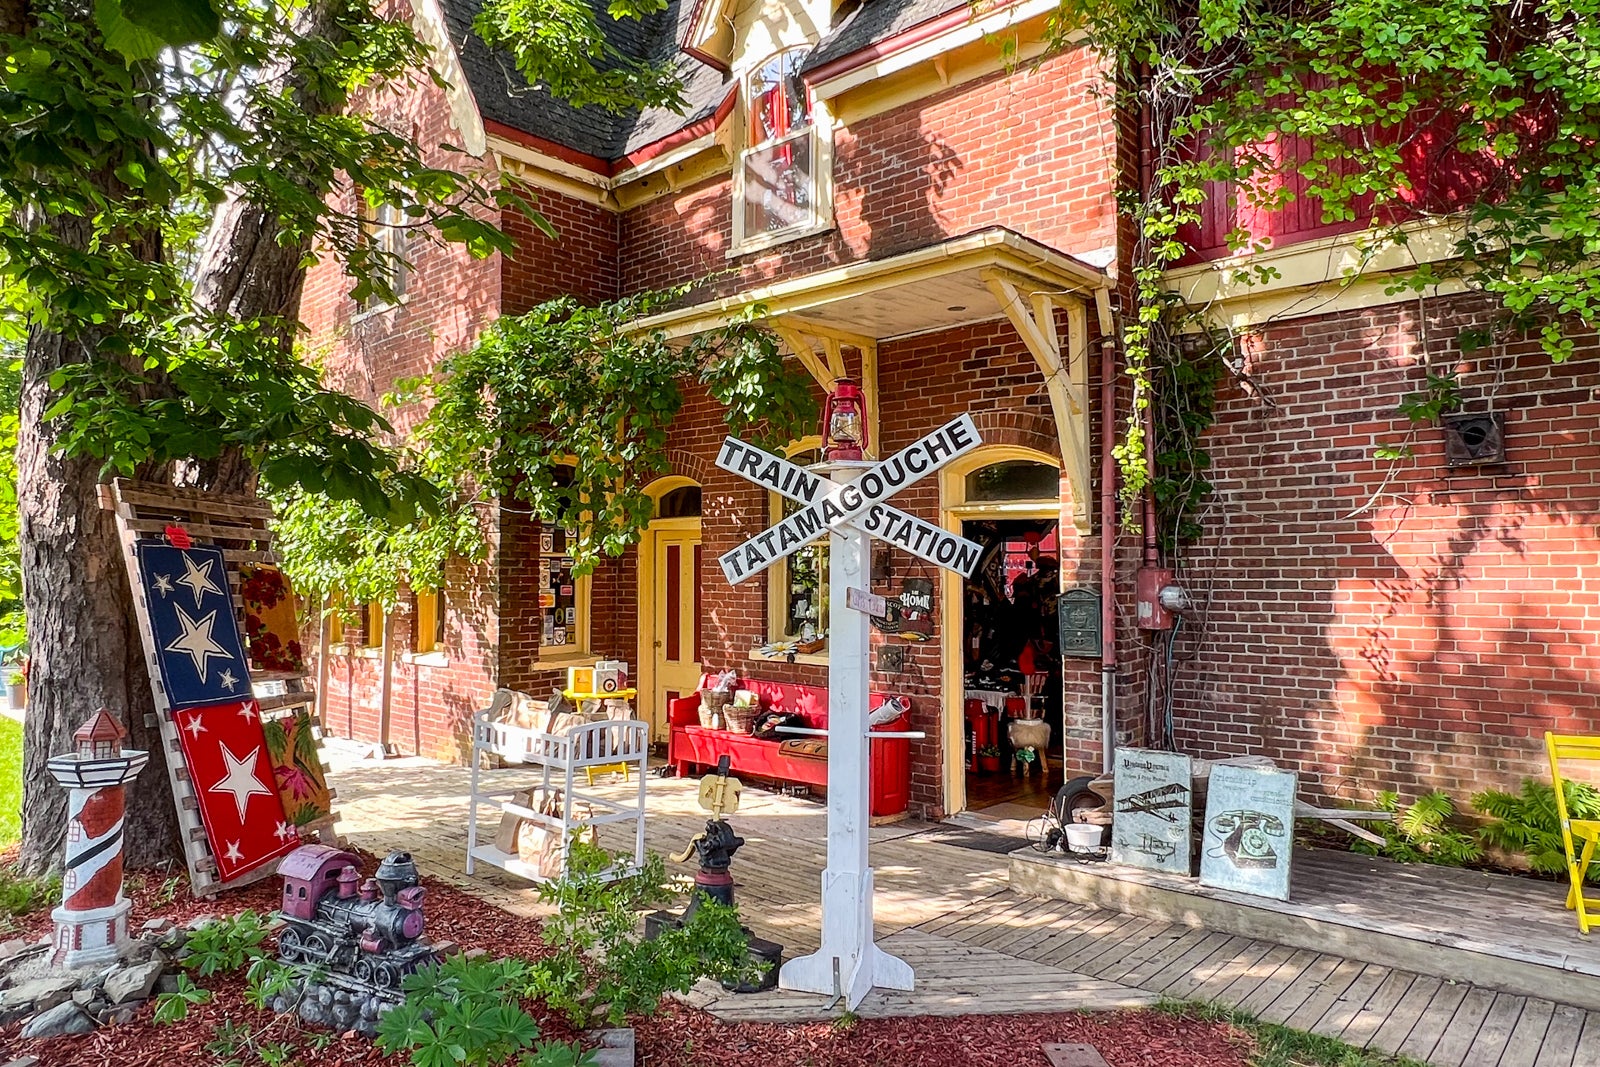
<point>674,606</point>
<point>694,653</point>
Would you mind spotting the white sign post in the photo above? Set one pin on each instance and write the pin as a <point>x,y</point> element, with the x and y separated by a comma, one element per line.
<point>847,504</point>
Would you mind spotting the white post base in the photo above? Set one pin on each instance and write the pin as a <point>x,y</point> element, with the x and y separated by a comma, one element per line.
<point>848,964</point>
<point>91,938</point>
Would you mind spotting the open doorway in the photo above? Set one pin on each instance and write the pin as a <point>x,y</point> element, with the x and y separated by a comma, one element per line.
<point>1011,667</point>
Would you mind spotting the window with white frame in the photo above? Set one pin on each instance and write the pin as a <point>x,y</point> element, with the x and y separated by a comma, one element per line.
<point>384,231</point>
<point>777,168</point>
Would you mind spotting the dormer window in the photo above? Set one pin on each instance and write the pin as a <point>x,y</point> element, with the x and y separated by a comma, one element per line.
<point>778,188</point>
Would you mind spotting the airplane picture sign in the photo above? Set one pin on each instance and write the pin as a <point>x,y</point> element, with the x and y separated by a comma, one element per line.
<point>858,503</point>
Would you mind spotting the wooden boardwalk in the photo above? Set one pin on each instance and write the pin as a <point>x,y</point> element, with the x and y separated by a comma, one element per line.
<point>979,947</point>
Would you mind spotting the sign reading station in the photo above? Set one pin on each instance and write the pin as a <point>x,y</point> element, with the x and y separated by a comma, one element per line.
<point>860,502</point>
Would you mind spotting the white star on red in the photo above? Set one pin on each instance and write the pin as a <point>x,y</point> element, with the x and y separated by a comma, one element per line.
<point>284,831</point>
<point>247,711</point>
<point>193,726</point>
<point>233,852</point>
<point>241,779</point>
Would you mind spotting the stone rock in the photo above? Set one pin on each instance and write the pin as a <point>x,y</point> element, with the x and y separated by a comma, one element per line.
<point>81,997</point>
<point>133,983</point>
<point>40,994</point>
<point>111,1016</point>
<point>167,983</point>
<point>10,950</point>
<point>24,1061</point>
<point>200,922</point>
<point>156,927</point>
<point>616,1048</point>
<point>66,1018</point>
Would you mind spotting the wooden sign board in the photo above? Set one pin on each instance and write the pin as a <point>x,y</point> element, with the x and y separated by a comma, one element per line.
<point>1249,830</point>
<point>1152,810</point>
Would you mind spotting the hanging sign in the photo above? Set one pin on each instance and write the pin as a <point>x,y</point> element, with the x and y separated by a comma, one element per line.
<point>909,615</point>
<point>859,503</point>
<point>861,600</point>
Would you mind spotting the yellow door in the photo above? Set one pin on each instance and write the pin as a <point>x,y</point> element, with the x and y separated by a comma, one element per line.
<point>677,616</point>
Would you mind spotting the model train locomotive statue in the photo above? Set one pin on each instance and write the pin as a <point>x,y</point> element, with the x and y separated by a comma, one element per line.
<point>369,930</point>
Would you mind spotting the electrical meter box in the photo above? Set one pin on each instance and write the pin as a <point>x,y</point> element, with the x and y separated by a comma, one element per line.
<point>1078,611</point>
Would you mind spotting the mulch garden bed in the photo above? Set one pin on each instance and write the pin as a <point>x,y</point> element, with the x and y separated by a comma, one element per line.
<point>679,1037</point>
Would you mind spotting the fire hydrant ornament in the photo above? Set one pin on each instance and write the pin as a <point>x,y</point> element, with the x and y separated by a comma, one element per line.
<point>92,921</point>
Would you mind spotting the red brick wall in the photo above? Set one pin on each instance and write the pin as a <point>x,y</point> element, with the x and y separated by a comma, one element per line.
<point>581,260</point>
<point>1033,152</point>
<point>1415,633</point>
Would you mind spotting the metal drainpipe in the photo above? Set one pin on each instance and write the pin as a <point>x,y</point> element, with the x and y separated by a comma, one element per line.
<point>1108,555</point>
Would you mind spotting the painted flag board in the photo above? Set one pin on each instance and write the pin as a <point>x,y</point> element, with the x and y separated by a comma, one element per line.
<point>199,649</point>
<point>230,769</point>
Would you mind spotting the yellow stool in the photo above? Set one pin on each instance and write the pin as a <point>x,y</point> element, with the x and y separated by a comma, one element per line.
<point>1572,747</point>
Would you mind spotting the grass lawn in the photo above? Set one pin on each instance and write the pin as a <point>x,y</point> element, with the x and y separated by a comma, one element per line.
<point>10,781</point>
<point>1279,1046</point>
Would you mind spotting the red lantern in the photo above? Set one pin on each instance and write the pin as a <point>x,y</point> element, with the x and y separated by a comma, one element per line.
<point>844,422</point>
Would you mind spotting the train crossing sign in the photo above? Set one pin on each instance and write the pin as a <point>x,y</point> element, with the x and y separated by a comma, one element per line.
<point>847,502</point>
<point>859,502</point>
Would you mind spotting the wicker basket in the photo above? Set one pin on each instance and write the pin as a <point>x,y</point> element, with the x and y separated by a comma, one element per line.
<point>740,719</point>
<point>712,704</point>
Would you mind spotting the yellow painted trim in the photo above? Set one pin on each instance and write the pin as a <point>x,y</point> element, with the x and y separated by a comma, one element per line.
<point>1340,273</point>
<point>953,510</point>
<point>426,626</point>
<point>645,604</point>
<point>991,248</point>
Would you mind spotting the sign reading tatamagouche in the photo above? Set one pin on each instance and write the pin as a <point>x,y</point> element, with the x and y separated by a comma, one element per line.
<point>859,503</point>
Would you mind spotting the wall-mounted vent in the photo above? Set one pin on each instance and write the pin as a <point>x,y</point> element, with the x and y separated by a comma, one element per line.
<point>1473,439</point>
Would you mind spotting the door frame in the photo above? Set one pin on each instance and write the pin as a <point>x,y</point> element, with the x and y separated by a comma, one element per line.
<point>645,602</point>
<point>953,511</point>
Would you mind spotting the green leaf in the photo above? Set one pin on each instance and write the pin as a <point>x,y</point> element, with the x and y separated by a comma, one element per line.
<point>133,41</point>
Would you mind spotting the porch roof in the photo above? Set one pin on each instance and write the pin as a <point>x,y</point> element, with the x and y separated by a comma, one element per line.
<point>931,288</point>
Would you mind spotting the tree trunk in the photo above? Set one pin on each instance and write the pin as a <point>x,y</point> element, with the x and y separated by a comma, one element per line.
<point>84,647</point>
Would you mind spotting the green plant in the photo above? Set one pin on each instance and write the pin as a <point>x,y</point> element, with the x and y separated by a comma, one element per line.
<point>599,970</point>
<point>174,1007</point>
<point>464,1013</point>
<point>1420,832</point>
<point>1527,824</point>
<point>226,945</point>
<point>1279,1046</point>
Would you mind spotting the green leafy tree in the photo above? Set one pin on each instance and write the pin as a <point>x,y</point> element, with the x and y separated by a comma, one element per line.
<point>1371,96</point>
<point>158,206</point>
<point>568,409</point>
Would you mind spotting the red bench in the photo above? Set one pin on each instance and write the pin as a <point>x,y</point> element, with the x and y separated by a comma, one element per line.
<point>692,748</point>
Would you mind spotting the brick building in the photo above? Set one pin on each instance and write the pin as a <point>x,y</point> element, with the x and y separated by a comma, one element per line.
<point>920,212</point>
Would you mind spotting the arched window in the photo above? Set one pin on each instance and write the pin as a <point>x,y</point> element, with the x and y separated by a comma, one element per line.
<point>777,180</point>
<point>1013,479</point>
<point>680,503</point>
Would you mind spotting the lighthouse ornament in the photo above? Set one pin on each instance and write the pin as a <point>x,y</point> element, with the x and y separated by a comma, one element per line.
<point>92,921</point>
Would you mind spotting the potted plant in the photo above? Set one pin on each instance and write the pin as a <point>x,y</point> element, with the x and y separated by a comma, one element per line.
<point>15,664</point>
<point>989,759</point>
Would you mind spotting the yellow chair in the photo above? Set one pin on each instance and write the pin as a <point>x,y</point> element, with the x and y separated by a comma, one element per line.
<point>1586,830</point>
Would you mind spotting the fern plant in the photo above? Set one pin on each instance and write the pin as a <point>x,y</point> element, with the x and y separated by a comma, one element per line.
<point>1421,832</point>
<point>1527,824</point>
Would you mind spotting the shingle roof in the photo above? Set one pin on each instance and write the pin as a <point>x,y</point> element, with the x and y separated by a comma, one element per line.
<point>874,21</point>
<point>504,96</point>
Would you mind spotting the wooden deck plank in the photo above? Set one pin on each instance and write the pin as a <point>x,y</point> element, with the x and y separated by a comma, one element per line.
<point>1089,933</point>
<point>1433,1022</point>
<point>1141,972</point>
<point>1183,987</point>
<point>1462,1030</point>
<point>1113,947</point>
<point>1561,1037</point>
<point>1394,1030</point>
<point>1114,968</point>
<point>1587,1054</point>
<point>1274,984</point>
<point>1370,1017</point>
<point>1052,937</point>
<point>1210,991</point>
<point>1525,1040</point>
<point>1183,964</point>
<point>1495,1033</point>
<point>1330,989</point>
<point>1348,1004</point>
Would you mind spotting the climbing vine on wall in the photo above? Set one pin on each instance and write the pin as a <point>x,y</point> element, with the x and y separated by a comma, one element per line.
<point>567,410</point>
<point>1353,101</point>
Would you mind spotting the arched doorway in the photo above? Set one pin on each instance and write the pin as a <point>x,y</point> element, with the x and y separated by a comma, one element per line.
<point>669,600</point>
<point>997,629</point>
